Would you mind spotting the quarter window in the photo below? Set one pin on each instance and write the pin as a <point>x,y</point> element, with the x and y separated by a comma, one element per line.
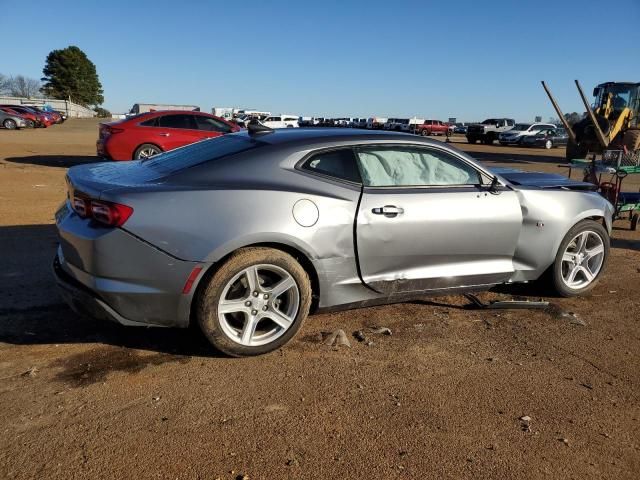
<point>153,122</point>
<point>339,164</point>
<point>410,166</point>
<point>211,124</point>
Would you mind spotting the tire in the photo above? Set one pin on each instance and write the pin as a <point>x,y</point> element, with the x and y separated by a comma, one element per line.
<point>631,140</point>
<point>634,222</point>
<point>548,144</point>
<point>472,140</point>
<point>563,268</point>
<point>227,332</point>
<point>575,150</point>
<point>146,150</point>
<point>424,132</point>
<point>10,124</point>
<point>488,141</point>
<point>31,124</point>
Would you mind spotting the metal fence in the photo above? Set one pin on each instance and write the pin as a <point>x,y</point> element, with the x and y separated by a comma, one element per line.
<point>73,110</point>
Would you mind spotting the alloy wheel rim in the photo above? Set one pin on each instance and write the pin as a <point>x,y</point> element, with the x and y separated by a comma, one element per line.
<point>258,305</point>
<point>582,260</point>
<point>548,144</point>
<point>147,153</point>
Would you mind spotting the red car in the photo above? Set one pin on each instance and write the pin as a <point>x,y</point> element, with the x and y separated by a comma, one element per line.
<point>432,127</point>
<point>150,133</point>
<point>55,117</point>
<point>31,118</point>
<point>42,119</point>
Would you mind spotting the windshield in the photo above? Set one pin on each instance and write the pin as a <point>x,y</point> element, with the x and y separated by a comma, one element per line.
<point>522,126</point>
<point>490,121</point>
<point>200,152</point>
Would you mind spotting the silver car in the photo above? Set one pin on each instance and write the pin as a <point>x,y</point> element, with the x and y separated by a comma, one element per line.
<point>248,233</point>
<point>11,121</point>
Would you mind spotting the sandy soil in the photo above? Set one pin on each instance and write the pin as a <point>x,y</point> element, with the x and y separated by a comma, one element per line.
<point>441,397</point>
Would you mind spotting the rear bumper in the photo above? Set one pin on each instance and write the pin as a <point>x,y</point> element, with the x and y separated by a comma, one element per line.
<point>101,149</point>
<point>112,274</point>
<point>83,301</point>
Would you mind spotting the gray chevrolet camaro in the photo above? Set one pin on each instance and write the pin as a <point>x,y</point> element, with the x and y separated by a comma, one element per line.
<point>247,233</point>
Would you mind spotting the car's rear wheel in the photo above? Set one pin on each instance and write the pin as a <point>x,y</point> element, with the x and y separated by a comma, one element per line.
<point>10,124</point>
<point>255,303</point>
<point>30,124</point>
<point>146,150</point>
<point>472,140</point>
<point>548,144</point>
<point>581,258</point>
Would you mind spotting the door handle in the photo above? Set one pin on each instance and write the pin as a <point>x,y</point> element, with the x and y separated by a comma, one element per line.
<point>388,211</point>
<point>164,134</point>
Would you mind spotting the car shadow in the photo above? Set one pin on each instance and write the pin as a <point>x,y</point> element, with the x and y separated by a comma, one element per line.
<point>33,313</point>
<point>625,243</point>
<point>65,161</point>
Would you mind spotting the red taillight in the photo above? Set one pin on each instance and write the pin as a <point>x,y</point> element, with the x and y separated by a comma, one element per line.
<point>109,213</point>
<point>106,130</point>
<point>80,206</point>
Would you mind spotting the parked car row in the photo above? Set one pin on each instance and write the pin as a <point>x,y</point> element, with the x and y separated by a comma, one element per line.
<point>13,117</point>
<point>508,132</point>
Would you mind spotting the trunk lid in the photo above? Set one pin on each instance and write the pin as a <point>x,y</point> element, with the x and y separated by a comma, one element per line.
<point>95,179</point>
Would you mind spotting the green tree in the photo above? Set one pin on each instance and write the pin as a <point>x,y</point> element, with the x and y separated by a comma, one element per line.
<point>70,73</point>
<point>102,112</point>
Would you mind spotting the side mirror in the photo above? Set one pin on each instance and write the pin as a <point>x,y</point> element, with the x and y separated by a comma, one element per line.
<point>493,187</point>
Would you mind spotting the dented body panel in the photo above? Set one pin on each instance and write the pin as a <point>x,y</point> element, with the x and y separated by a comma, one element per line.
<point>446,239</point>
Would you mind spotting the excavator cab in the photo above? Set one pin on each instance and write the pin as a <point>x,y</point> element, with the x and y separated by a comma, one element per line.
<point>618,101</point>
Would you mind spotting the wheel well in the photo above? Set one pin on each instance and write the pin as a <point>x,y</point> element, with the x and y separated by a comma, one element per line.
<point>133,155</point>
<point>294,252</point>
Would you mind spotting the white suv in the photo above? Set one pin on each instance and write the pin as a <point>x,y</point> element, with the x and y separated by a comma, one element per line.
<point>281,121</point>
<point>521,130</point>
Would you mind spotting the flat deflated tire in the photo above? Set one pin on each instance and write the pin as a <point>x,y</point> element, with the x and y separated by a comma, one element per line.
<point>255,302</point>
<point>581,258</point>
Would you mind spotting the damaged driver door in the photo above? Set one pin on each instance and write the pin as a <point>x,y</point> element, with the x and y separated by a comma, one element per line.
<point>428,220</point>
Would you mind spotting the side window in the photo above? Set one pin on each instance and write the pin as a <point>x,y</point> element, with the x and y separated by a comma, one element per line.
<point>339,164</point>
<point>211,124</point>
<point>411,166</point>
<point>177,121</point>
<point>152,122</point>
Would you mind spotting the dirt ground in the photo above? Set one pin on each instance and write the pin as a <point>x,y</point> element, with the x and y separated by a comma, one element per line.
<point>442,397</point>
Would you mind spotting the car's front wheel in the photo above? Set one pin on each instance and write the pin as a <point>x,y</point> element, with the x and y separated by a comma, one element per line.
<point>424,132</point>
<point>548,144</point>
<point>255,302</point>
<point>581,258</point>
<point>10,124</point>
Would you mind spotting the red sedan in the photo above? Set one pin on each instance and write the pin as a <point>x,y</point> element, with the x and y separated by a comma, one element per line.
<point>150,133</point>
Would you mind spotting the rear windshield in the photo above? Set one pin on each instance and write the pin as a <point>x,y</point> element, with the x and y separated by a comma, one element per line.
<point>200,152</point>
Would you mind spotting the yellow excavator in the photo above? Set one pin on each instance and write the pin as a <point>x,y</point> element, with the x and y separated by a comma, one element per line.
<point>613,123</point>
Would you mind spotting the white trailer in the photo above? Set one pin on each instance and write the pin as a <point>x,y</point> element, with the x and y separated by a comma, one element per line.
<point>154,107</point>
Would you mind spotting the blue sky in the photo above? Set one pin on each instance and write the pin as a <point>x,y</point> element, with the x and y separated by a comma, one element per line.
<point>466,59</point>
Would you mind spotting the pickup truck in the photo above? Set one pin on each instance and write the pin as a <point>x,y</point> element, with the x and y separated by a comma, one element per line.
<point>432,127</point>
<point>487,132</point>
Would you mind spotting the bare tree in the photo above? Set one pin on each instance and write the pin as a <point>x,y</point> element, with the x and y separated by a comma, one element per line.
<point>21,86</point>
<point>5,84</point>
